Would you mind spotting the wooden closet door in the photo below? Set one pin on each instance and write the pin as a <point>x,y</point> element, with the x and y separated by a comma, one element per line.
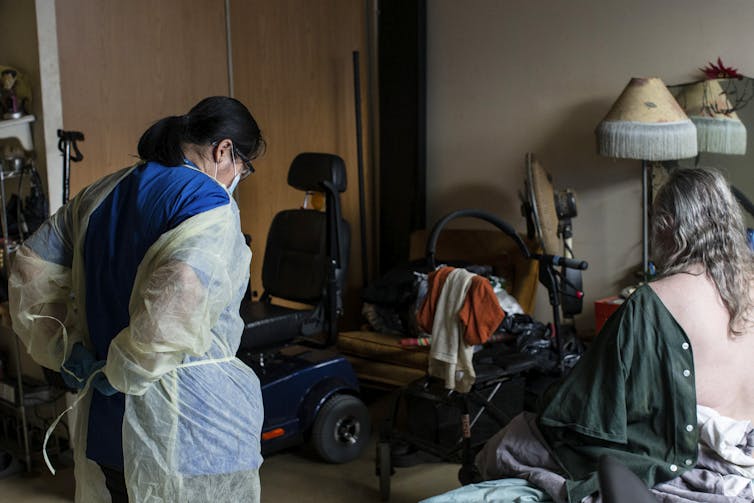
<point>125,64</point>
<point>293,67</point>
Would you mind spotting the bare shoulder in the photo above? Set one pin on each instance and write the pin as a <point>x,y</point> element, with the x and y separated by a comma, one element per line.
<point>689,295</point>
<point>694,302</point>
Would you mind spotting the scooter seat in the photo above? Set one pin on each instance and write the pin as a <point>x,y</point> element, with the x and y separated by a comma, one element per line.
<point>267,325</point>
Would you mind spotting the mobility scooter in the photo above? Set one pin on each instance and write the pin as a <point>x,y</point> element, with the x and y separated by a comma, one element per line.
<point>310,392</point>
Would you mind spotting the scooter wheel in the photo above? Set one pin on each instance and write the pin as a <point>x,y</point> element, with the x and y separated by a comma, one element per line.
<point>341,429</point>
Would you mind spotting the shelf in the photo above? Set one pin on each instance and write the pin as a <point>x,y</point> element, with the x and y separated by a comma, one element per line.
<point>7,174</point>
<point>9,123</point>
<point>21,401</point>
<point>35,393</point>
<point>18,128</point>
<point>12,441</point>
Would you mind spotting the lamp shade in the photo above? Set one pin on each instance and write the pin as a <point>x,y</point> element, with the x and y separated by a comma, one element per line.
<point>718,127</point>
<point>646,123</point>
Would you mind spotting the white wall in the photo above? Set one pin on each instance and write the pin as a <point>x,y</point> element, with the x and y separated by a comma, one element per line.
<point>50,105</point>
<point>506,77</point>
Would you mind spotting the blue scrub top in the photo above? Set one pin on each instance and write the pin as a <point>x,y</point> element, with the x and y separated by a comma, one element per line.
<point>148,202</point>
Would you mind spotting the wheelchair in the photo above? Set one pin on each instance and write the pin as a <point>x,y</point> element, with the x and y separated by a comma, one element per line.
<point>456,425</point>
<point>310,392</point>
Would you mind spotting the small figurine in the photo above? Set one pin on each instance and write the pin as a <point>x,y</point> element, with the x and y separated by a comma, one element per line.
<point>9,102</point>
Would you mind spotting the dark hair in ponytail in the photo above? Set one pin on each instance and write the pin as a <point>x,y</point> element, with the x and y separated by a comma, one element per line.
<point>210,120</point>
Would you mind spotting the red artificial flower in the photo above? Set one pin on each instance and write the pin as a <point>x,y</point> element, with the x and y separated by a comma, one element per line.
<point>720,71</point>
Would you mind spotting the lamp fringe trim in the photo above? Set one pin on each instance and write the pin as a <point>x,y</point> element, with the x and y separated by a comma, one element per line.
<point>650,142</point>
<point>720,135</point>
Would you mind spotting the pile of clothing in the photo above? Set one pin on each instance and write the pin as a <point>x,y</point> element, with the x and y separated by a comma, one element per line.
<point>461,311</point>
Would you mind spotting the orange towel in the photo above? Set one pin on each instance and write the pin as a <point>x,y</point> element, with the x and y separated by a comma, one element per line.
<point>435,281</point>
<point>480,313</point>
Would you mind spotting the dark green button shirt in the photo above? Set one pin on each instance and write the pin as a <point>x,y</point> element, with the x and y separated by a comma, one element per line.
<point>632,396</point>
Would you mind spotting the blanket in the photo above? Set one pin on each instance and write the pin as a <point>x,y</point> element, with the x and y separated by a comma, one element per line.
<point>518,467</point>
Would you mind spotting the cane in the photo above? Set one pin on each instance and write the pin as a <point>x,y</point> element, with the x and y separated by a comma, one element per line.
<point>67,141</point>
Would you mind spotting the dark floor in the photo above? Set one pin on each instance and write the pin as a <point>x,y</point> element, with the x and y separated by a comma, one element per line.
<point>290,476</point>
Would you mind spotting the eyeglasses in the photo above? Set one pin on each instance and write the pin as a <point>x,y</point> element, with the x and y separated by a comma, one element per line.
<point>248,168</point>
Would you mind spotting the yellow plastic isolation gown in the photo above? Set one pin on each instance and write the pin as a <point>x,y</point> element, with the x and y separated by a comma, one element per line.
<point>193,417</point>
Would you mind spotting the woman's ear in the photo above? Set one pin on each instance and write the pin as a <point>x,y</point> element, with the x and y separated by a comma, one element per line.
<point>221,149</point>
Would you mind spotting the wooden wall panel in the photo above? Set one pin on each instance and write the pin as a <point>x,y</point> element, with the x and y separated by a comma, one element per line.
<point>125,64</point>
<point>293,67</point>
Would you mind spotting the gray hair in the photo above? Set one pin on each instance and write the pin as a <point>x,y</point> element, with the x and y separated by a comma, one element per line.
<point>696,220</point>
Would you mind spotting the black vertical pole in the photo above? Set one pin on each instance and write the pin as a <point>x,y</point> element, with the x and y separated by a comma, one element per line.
<point>644,221</point>
<point>66,169</point>
<point>360,159</point>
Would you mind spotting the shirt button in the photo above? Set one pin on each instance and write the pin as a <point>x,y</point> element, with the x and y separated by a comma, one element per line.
<point>688,462</point>
<point>673,468</point>
<point>686,373</point>
<point>689,428</point>
<point>685,345</point>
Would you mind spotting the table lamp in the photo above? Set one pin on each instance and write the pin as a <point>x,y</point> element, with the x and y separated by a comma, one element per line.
<point>646,123</point>
<point>718,128</point>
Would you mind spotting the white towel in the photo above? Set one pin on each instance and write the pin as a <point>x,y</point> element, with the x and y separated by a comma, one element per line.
<point>449,356</point>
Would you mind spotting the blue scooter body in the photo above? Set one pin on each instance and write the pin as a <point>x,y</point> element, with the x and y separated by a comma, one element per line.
<point>296,381</point>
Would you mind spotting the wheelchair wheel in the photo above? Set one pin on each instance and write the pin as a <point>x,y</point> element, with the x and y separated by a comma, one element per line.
<point>384,469</point>
<point>341,429</point>
<point>469,474</point>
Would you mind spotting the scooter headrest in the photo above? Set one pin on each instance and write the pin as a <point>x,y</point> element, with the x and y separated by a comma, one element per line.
<point>308,170</point>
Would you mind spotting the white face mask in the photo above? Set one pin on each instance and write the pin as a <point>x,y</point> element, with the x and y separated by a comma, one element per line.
<point>236,178</point>
<point>234,183</point>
